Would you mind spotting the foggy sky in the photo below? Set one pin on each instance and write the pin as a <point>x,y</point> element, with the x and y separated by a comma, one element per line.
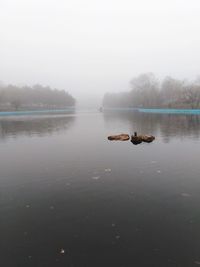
<point>90,47</point>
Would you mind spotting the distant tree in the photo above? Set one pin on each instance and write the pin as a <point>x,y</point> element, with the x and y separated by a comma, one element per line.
<point>171,90</point>
<point>145,81</point>
<point>148,93</point>
<point>191,96</point>
<point>37,96</point>
<point>145,90</point>
<point>16,104</point>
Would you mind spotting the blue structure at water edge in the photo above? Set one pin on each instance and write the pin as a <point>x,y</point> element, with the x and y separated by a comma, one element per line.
<point>170,111</point>
<point>157,110</point>
<point>36,112</point>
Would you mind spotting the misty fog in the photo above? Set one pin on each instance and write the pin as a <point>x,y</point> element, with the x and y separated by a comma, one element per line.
<point>99,133</point>
<point>91,47</point>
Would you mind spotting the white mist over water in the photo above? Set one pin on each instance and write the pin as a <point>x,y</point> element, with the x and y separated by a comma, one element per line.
<point>90,47</point>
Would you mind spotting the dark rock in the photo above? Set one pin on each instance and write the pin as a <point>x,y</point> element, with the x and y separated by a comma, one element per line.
<point>138,139</point>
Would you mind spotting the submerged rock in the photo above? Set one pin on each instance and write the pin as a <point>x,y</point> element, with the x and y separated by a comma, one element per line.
<point>120,137</point>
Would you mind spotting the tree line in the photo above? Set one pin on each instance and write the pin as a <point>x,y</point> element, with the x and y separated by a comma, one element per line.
<point>147,92</point>
<point>35,97</point>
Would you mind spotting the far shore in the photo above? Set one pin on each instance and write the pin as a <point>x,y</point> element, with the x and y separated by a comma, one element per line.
<point>156,110</point>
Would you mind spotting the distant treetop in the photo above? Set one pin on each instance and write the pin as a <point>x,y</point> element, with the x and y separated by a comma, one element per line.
<point>147,92</point>
<point>35,97</point>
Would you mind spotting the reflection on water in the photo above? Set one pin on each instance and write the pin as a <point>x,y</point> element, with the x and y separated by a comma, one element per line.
<point>165,125</point>
<point>34,125</point>
<point>105,204</point>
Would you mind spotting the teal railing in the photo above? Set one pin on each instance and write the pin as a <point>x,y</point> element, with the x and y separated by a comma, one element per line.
<point>34,112</point>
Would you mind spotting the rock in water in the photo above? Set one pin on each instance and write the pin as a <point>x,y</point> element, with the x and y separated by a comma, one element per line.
<point>138,139</point>
<point>120,137</point>
<point>148,138</point>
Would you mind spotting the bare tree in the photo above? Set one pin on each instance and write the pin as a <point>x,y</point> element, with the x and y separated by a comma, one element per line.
<point>191,96</point>
<point>171,90</point>
<point>145,90</point>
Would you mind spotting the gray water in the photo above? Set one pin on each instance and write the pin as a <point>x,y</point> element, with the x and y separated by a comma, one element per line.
<point>69,197</point>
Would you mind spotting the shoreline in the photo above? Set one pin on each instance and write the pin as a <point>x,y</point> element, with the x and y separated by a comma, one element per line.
<point>158,110</point>
<point>32,112</point>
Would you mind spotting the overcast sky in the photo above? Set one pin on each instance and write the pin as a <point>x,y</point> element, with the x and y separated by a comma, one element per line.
<point>89,46</point>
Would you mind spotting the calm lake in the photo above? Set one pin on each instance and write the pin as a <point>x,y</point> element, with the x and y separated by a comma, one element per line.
<point>71,198</point>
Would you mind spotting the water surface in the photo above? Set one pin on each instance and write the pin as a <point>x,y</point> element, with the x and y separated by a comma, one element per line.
<point>70,197</point>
